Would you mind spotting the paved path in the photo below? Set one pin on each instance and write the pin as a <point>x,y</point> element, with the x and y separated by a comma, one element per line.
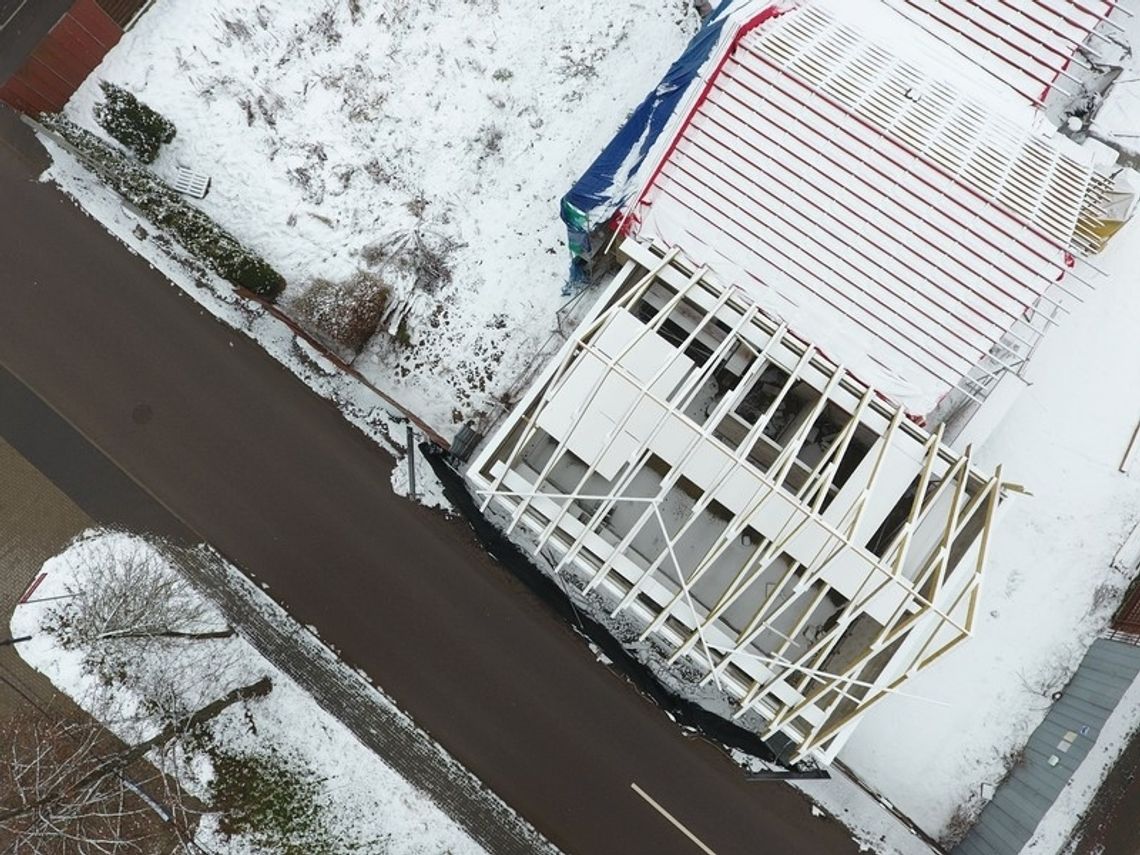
<point>250,460</point>
<point>36,522</point>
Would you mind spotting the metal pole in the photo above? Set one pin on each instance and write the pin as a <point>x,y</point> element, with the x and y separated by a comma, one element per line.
<point>788,775</point>
<point>1126,461</point>
<point>47,599</point>
<point>411,463</point>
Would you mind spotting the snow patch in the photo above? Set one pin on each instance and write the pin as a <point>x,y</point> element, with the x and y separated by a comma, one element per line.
<point>329,127</point>
<point>368,800</point>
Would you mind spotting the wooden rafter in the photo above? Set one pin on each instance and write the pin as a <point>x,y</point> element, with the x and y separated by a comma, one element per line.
<point>685,599</point>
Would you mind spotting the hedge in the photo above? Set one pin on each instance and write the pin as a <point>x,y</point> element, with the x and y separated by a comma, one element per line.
<point>167,209</point>
<point>133,123</point>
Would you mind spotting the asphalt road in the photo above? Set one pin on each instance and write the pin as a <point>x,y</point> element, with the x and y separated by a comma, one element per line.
<point>244,456</point>
<point>22,24</point>
<point>9,9</point>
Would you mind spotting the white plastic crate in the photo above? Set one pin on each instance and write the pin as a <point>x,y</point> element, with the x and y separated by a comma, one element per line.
<point>192,183</point>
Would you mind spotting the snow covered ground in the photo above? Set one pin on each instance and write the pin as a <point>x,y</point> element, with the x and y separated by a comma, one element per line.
<point>1054,576</point>
<point>327,127</point>
<point>366,802</point>
<point>1050,586</point>
<point>359,404</point>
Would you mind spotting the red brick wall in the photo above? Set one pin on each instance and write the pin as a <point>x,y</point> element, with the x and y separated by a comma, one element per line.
<point>63,60</point>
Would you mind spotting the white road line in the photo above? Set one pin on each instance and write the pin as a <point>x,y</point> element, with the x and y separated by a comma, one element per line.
<point>14,14</point>
<point>672,819</point>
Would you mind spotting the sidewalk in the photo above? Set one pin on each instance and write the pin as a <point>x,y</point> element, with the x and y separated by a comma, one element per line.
<point>36,522</point>
<point>375,721</point>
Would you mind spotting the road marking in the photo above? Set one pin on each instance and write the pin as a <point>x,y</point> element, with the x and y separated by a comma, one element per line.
<point>14,14</point>
<point>672,819</point>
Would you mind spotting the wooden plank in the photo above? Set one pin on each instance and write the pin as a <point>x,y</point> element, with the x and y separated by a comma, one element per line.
<point>53,89</point>
<point>68,58</point>
<point>70,35</point>
<point>16,93</point>
<point>122,12</point>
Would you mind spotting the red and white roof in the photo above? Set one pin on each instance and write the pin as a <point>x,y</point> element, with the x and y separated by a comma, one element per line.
<point>1027,44</point>
<point>893,221</point>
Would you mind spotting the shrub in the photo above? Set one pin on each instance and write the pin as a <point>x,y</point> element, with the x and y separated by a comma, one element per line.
<point>200,236</point>
<point>253,273</point>
<point>133,123</point>
<point>345,313</point>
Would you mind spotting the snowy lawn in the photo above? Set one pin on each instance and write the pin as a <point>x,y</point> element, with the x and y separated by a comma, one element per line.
<point>360,405</point>
<point>362,805</point>
<point>331,128</point>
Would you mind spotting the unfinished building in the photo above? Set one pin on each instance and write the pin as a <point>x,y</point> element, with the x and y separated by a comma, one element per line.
<point>826,248</point>
<point>758,510</point>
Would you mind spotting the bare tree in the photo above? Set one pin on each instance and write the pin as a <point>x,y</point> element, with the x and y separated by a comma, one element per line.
<point>130,591</point>
<point>48,803</point>
<point>71,788</point>
<point>141,625</point>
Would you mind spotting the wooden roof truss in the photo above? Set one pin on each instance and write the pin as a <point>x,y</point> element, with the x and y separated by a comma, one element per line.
<point>767,519</point>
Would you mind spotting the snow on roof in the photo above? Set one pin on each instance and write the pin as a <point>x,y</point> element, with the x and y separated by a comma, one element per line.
<point>1027,45</point>
<point>894,221</point>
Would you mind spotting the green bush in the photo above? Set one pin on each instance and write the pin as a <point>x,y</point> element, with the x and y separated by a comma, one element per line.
<point>200,236</point>
<point>253,273</point>
<point>133,123</point>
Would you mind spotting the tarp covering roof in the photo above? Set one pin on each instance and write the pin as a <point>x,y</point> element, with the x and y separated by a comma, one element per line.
<point>613,176</point>
<point>903,227</point>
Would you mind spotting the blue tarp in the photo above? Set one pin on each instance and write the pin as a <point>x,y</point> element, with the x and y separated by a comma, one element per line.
<point>603,188</point>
